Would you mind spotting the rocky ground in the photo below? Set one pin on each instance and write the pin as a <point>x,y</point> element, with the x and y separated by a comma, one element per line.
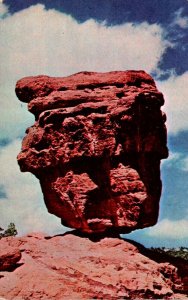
<point>76,267</point>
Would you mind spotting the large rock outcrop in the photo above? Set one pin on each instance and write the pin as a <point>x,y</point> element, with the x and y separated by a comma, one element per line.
<point>73,267</point>
<point>96,147</point>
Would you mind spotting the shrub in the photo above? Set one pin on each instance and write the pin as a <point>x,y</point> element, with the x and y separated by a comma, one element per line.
<point>10,231</point>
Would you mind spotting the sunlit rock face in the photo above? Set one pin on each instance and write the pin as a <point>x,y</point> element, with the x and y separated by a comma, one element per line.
<point>96,147</point>
<point>74,267</point>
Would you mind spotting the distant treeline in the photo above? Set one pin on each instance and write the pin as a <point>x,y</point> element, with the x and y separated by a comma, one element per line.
<point>181,252</point>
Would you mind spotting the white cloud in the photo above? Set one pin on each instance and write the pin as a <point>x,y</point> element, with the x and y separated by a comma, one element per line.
<point>176,102</point>
<point>176,160</point>
<point>174,157</point>
<point>36,41</point>
<point>24,204</point>
<point>3,9</point>
<point>173,160</point>
<point>170,229</point>
<point>14,115</point>
<point>179,20</point>
<point>40,41</point>
<point>184,165</point>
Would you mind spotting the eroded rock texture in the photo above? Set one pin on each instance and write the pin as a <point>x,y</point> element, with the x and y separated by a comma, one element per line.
<point>96,147</point>
<point>71,267</point>
<point>9,255</point>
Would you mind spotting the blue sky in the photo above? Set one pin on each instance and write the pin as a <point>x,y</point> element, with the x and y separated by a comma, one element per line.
<point>61,37</point>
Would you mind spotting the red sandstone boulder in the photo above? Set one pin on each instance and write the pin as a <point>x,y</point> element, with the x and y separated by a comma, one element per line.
<point>96,148</point>
<point>9,255</point>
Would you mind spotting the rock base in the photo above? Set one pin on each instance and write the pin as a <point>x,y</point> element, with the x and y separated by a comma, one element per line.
<point>74,267</point>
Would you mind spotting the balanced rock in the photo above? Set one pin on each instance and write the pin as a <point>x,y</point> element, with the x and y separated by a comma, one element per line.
<point>96,147</point>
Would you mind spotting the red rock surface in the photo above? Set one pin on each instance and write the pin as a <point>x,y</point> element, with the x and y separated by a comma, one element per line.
<point>96,148</point>
<point>9,256</point>
<point>73,267</point>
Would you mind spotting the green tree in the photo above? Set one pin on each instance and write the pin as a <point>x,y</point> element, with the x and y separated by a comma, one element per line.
<point>10,231</point>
